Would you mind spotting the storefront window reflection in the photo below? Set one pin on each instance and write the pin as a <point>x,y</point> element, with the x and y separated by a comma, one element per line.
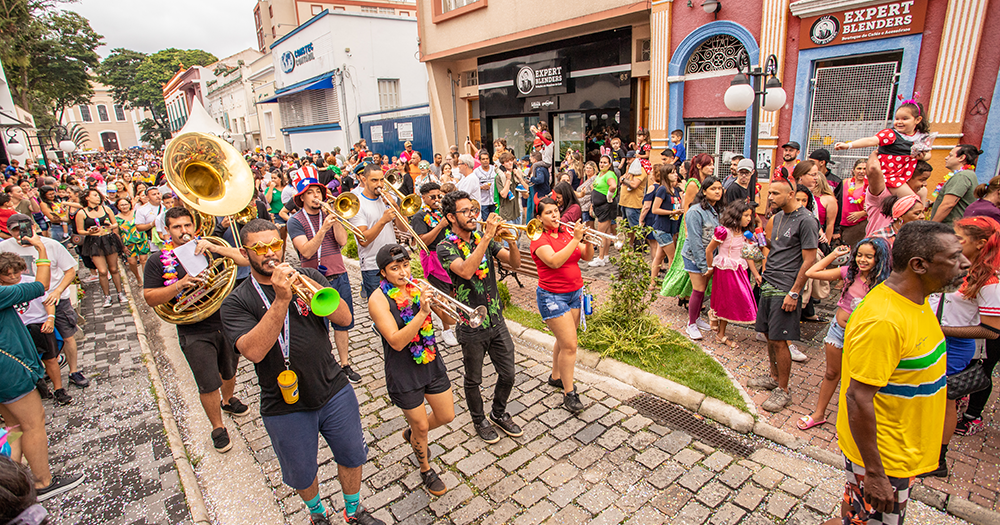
<point>517,132</point>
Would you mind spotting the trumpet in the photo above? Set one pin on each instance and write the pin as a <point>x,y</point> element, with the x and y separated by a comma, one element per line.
<point>453,307</point>
<point>408,205</point>
<point>343,208</point>
<point>322,301</point>
<point>509,232</point>
<point>592,236</point>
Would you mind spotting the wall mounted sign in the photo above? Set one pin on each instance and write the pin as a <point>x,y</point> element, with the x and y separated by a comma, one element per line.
<point>290,59</point>
<point>539,104</point>
<point>376,133</point>
<point>889,19</point>
<point>405,131</point>
<point>541,78</point>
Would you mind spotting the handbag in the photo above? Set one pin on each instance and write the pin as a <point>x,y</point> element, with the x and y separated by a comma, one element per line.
<point>973,379</point>
<point>752,252</point>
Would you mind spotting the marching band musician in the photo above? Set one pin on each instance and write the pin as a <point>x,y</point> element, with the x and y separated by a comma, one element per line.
<point>429,223</point>
<point>303,391</point>
<point>413,371</point>
<point>318,237</point>
<point>373,219</point>
<point>468,256</point>
<point>206,349</point>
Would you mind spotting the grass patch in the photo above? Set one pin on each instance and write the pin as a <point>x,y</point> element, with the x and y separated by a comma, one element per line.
<point>351,248</point>
<point>525,318</point>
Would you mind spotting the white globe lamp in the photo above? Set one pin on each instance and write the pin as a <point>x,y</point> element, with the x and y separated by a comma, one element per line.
<point>775,98</point>
<point>739,96</point>
<point>15,148</point>
<point>67,146</point>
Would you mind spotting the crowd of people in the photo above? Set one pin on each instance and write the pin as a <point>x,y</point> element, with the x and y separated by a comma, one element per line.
<point>732,255</point>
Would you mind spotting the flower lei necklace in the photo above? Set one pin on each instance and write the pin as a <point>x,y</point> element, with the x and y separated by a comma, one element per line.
<point>169,262</point>
<point>947,177</point>
<point>484,267</point>
<point>408,303</point>
<point>850,192</point>
<point>431,218</point>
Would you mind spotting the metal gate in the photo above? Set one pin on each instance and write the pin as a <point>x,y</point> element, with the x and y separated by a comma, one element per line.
<point>386,132</point>
<point>720,140</point>
<point>850,102</point>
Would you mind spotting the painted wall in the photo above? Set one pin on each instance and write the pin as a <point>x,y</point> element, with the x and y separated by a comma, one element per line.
<point>790,70</point>
<point>321,140</point>
<point>703,98</point>
<point>929,46</point>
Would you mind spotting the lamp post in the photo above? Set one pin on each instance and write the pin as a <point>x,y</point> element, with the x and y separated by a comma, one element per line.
<point>65,145</point>
<point>744,92</point>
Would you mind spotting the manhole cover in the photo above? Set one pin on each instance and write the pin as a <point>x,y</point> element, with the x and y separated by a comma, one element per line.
<point>680,418</point>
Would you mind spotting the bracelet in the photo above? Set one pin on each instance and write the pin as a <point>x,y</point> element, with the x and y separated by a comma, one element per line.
<point>51,316</point>
<point>37,264</point>
<point>42,261</point>
<point>850,145</point>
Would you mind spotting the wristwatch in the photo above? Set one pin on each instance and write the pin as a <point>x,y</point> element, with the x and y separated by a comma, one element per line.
<point>793,295</point>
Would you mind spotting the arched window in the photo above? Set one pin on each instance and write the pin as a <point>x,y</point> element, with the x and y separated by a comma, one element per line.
<point>718,53</point>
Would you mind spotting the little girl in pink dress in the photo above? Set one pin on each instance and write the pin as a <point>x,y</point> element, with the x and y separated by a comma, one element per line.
<point>732,294</point>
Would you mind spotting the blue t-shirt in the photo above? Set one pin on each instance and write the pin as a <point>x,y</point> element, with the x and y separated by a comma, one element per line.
<point>680,152</point>
<point>651,218</point>
<point>663,222</point>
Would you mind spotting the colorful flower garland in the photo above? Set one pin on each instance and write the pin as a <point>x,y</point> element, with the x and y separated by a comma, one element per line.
<point>484,267</point>
<point>169,262</point>
<point>947,177</point>
<point>431,219</point>
<point>408,303</point>
<point>850,192</point>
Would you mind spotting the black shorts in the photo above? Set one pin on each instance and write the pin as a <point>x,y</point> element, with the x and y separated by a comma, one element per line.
<point>46,344</point>
<point>66,319</point>
<point>772,321</point>
<point>211,358</point>
<point>414,398</point>
<point>604,212</point>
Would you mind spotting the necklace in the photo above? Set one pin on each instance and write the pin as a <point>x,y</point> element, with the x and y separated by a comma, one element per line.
<point>947,177</point>
<point>169,262</point>
<point>484,267</point>
<point>851,198</point>
<point>408,303</point>
<point>431,218</point>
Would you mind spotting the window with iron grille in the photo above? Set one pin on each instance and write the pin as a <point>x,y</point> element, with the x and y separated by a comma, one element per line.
<point>388,93</point>
<point>642,50</point>
<point>718,53</point>
<point>720,139</point>
<point>386,10</point>
<point>850,101</point>
<point>85,114</point>
<point>369,9</point>
<point>102,113</point>
<point>470,78</point>
<point>451,5</point>
<point>312,107</point>
<point>119,113</point>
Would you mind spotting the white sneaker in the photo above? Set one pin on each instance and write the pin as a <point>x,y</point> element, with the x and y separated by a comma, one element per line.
<point>797,355</point>
<point>122,298</point>
<point>92,278</point>
<point>618,245</point>
<point>702,325</point>
<point>693,332</point>
<point>107,301</point>
<point>761,337</point>
<point>449,337</point>
<point>597,262</point>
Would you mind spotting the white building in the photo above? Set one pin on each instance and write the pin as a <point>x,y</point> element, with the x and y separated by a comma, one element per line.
<point>268,115</point>
<point>229,99</point>
<point>109,126</point>
<point>340,64</point>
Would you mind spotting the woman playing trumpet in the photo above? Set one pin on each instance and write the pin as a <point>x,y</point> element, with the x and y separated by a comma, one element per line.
<point>557,253</point>
<point>414,373</point>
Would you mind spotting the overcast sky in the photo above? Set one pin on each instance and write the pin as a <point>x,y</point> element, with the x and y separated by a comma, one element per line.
<point>221,27</point>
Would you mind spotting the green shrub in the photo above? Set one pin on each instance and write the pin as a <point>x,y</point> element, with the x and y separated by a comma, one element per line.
<point>416,270</point>
<point>351,248</point>
<point>505,299</point>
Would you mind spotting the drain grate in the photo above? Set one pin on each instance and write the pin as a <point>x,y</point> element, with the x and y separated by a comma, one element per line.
<point>680,418</point>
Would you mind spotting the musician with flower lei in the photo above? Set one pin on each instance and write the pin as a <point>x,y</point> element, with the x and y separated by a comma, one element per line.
<point>414,373</point>
<point>469,257</point>
<point>429,223</point>
<point>209,353</point>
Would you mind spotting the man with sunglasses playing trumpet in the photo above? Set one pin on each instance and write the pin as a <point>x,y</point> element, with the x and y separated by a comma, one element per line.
<point>206,349</point>
<point>469,258</point>
<point>303,391</point>
<point>319,237</point>
<point>429,223</point>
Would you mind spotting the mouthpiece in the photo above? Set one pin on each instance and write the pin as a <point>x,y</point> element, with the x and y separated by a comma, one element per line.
<point>186,237</point>
<point>271,264</point>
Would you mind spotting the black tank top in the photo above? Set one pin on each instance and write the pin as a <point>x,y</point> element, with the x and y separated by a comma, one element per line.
<point>402,373</point>
<point>101,221</point>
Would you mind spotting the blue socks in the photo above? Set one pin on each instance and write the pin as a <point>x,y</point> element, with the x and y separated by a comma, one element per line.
<point>316,506</point>
<point>351,503</point>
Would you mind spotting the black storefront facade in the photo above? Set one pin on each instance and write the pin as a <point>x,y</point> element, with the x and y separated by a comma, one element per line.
<point>582,87</point>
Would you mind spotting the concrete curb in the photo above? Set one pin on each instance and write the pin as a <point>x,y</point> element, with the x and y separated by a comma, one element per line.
<point>192,490</point>
<point>744,422</point>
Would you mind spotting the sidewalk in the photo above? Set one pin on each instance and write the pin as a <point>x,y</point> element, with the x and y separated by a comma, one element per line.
<point>112,432</point>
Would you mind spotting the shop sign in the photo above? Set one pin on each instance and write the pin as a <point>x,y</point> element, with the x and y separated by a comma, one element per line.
<point>541,78</point>
<point>539,104</point>
<point>889,19</point>
<point>290,59</point>
<point>376,133</point>
<point>404,130</point>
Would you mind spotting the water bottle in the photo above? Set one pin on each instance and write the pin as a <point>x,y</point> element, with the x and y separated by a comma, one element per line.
<point>759,235</point>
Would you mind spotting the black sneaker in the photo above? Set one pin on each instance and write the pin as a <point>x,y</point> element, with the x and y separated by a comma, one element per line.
<point>79,380</point>
<point>571,400</point>
<point>220,439</point>
<point>557,383</point>
<point>236,408</point>
<point>318,519</point>
<point>507,425</point>
<point>59,485</point>
<point>486,432</point>
<point>43,389</point>
<point>352,376</point>
<point>62,397</point>
<point>433,483</point>
<point>362,517</point>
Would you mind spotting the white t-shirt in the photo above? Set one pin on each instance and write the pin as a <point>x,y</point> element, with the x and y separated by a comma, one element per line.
<point>368,214</point>
<point>62,261</point>
<point>147,213</point>
<point>32,312</point>
<point>287,193</point>
<point>470,184</point>
<point>960,311</point>
<point>485,177</point>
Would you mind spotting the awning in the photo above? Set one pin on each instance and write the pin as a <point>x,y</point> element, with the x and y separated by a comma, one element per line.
<point>323,83</point>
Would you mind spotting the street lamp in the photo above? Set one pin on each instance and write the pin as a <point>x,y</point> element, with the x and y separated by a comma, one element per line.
<point>56,132</point>
<point>14,147</point>
<point>744,92</point>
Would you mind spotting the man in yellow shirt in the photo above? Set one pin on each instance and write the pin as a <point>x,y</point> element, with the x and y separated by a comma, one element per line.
<point>893,387</point>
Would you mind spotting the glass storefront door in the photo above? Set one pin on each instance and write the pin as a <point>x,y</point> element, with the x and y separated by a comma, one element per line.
<point>570,133</point>
<point>517,132</point>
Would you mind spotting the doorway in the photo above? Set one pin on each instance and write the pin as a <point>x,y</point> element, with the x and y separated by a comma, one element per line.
<point>109,139</point>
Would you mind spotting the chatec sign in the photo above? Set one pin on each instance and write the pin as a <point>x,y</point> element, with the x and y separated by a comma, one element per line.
<point>885,20</point>
<point>541,78</point>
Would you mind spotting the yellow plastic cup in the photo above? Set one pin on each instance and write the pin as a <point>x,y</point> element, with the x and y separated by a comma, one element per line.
<point>288,382</point>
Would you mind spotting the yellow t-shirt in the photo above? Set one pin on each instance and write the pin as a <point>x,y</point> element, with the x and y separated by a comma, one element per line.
<point>898,346</point>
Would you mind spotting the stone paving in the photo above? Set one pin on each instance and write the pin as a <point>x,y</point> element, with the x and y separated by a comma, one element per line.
<point>112,431</point>
<point>972,461</point>
<point>609,464</point>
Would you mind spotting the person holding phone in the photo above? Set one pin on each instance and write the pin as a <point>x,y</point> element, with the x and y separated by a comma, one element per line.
<point>101,243</point>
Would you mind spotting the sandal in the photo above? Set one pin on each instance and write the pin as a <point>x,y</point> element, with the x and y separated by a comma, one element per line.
<point>726,341</point>
<point>807,422</point>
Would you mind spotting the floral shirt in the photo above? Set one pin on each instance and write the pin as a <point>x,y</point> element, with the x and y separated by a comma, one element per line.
<point>481,290</point>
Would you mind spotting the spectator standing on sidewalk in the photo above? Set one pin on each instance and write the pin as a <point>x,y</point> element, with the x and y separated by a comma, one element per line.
<point>633,188</point>
<point>893,392</point>
<point>792,242</point>
<point>485,173</point>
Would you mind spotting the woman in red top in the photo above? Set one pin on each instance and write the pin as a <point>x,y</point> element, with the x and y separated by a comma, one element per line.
<point>557,253</point>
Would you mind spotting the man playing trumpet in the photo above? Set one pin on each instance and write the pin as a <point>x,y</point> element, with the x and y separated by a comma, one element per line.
<point>303,391</point>
<point>206,349</point>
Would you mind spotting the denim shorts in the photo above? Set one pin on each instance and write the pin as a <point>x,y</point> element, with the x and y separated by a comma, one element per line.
<point>552,305</point>
<point>632,215</point>
<point>662,238</point>
<point>835,335</point>
<point>585,217</point>
<point>690,266</point>
<point>342,284</point>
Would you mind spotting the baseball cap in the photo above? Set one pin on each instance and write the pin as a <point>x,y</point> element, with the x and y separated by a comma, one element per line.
<point>822,154</point>
<point>16,218</point>
<point>407,143</point>
<point>389,254</point>
<point>745,164</point>
<point>791,144</point>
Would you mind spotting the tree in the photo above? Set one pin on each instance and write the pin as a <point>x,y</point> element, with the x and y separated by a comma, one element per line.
<point>137,80</point>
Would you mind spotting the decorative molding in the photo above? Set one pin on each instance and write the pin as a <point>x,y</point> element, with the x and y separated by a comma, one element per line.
<point>659,62</point>
<point>805,8</point>
<point>963,27</point>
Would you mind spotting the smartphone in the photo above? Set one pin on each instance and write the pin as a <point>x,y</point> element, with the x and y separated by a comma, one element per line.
<point>24,232</point>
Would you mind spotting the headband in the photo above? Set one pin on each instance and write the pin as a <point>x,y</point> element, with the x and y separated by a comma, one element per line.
<point>903,205</point>
<point>911,101</point>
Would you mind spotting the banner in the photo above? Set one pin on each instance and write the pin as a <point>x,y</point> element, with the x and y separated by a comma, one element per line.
<point>886,20</point>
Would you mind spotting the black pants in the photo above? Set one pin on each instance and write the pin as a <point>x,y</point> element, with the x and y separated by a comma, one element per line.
<point>978,400</point>
<point>496,342</point>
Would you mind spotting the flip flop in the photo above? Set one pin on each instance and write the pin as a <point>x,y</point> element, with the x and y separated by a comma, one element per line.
<point>726,341</point>
<point>806,422</point>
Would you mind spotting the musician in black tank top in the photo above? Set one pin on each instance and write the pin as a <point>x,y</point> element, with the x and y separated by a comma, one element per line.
<point>101,242</point>
<point>414,372</point>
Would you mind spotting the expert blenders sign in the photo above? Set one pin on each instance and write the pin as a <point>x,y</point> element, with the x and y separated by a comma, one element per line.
<point>884,20</point>
<point>541,78</point>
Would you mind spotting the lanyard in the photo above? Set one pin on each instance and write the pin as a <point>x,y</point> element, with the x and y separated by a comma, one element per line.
<point>312,233</point>
<point>283,340</point>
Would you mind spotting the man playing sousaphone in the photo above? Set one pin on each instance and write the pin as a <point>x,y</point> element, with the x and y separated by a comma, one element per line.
<point>209,354</point>
<point>303,390</point>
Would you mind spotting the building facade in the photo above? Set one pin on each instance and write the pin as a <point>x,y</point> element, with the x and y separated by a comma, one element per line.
<point>109,126</point>
<point>274,19</point>
<point>181,91</point>
<point>229,98</point>
<point>268,115</point>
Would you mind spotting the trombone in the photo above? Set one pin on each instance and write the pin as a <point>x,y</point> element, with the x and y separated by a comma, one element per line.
<point>591,236</point>
<point>408,205</point>
<point>345,206</point>
<point>509,232</point>
<point>321,301</point>
<point>451,306</point>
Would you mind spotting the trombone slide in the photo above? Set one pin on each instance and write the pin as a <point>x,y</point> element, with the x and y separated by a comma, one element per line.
<point>451,306</point>
<point>358,235</point>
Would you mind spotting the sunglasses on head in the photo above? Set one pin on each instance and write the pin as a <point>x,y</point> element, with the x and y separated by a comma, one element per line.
<point>261,248</point>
